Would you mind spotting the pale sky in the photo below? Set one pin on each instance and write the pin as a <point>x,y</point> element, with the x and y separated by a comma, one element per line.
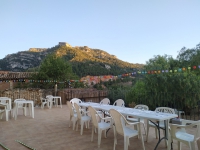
<point>133,30</point>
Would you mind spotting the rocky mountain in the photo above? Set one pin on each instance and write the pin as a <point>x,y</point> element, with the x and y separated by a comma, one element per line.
<point>84,60</point>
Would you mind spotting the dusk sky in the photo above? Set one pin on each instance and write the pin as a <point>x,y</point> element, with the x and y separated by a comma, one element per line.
<point>133,30</point>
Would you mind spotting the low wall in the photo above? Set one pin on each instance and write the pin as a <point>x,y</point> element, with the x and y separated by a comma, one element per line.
<point>66,94</point>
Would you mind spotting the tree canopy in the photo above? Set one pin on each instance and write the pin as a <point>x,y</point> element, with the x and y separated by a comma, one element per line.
<point>55,68</point>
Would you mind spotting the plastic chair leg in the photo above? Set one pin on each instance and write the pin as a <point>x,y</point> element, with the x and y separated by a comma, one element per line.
<point>144,128</point>
<point>73,121</point>
<point>126,143</point>
<point>142,140</point>
<point>192,146</point>
<point>1,115</point>
<point>92,133</point>
<point>88,124</point>
<point>82,124</point>
<point>115,143</point>
<point>147,133</point>
<point>6,115</point>
<point>99,137</point>
<point>166,141</point>
<point>136,127</point>
<point>77,125</point>
<point>24,111</point>
<point>105,134</point>
<point>179,145</point>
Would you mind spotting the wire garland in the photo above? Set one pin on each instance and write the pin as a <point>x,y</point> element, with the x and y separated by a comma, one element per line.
<point>4,146</point>
<point>25,145</point>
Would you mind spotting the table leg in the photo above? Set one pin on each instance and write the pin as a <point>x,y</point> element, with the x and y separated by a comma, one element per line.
<point>32,110</point>
<point>56,100</point>
<point>16,110</point>
<point>169,146</point>
<point>166,124</point>
<point>6,114</point>
<point>30,107</point>
<point>60,103</point>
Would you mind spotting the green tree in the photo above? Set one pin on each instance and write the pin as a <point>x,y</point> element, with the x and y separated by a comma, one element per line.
<point>158,62</point>
<point>54,68</point>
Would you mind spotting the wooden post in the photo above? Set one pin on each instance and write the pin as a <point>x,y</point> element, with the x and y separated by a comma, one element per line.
<point>56,89</point>
<point>11,84</point>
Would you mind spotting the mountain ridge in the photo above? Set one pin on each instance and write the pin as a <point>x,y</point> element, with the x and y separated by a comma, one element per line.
<point>77,56</point>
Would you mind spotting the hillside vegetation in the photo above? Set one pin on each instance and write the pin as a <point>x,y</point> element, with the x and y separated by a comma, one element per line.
<point>84,61</point>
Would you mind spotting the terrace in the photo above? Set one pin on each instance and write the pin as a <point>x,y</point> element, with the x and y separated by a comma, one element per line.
<point>49,131</point>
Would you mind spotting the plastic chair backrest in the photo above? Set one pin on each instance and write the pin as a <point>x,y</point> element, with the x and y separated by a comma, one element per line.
<point>94,116</point>
<point>119,121</point>
<point>49,97</point>
<point>70,108</point>
<point>43,99</point>
<point>141,106</point>
<point>3,100</point>
<point>165,110</point>
<point>105,101</point>
<point>77,107</point>
<point>75,100</point>
<point>119,102</point>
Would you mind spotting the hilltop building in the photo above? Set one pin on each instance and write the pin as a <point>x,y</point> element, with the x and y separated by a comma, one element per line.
<point>64,44</point>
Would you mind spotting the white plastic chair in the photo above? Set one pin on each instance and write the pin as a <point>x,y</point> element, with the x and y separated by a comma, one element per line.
<point>105,101</point>
<point>119,102</point>
<point>75,100</point>
<point>7,107</point>
<point>179,133</point>
<point>120,127</point>
<point>131,119</point>
<point>3,101</point>
<point>81,118</point>
<point>98,123</point>
<point>73,115</point>
<point>22,106</point>
<point>161,123</point>
<point>44,102</point>
<point>179,112</point>
<point>50,101</point>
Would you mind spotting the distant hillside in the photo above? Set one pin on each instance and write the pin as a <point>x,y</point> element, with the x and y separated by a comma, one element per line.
<point>84,60</point>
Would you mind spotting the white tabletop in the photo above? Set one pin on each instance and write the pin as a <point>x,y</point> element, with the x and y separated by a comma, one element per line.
<point>56,96</point>
<point>151,115</point>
